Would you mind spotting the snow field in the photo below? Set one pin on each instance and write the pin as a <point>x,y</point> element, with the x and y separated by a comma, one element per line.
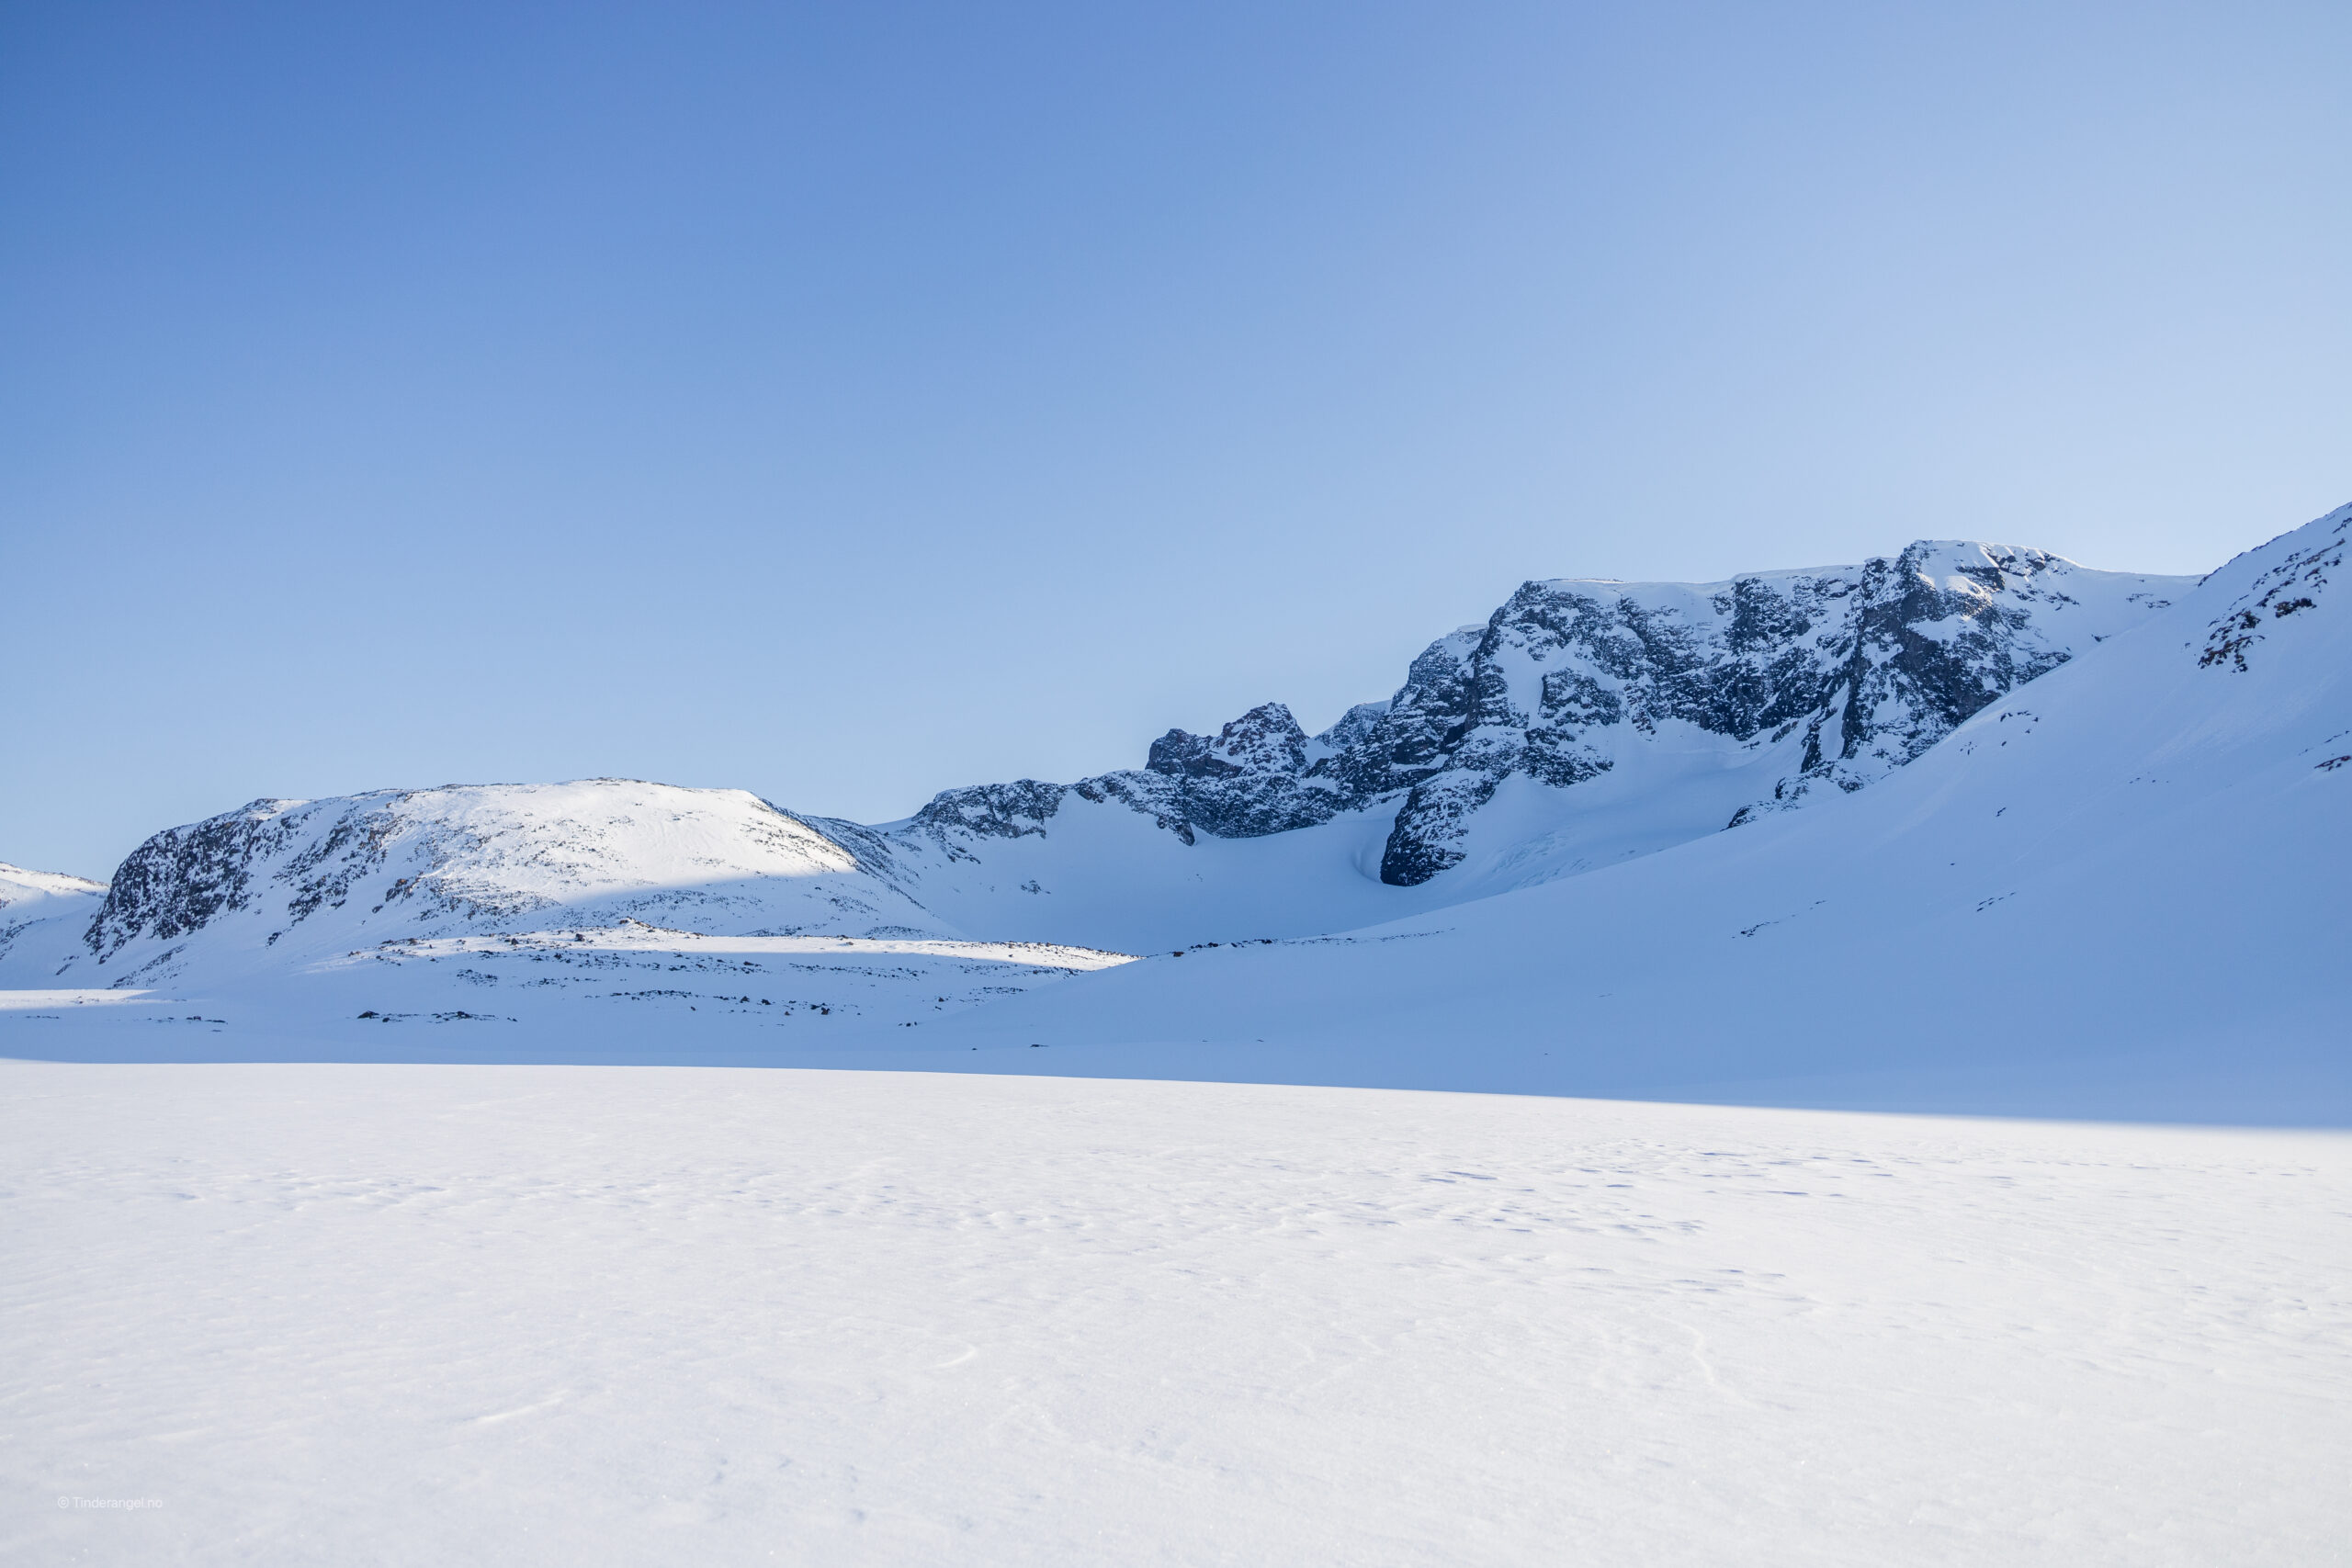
<point>524,1314</point>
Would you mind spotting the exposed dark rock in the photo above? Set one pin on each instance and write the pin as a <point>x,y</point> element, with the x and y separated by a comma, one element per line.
<point>181,878</point>
<point>1001,811</point>
<point>2287,589</point>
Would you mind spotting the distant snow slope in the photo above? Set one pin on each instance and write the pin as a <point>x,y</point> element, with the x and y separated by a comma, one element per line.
<point>2125,886</point>
<point>280,883</point>
<point>42,914</point>
<point>1584,723</point>
<point>573,1317</point>
<point>22,889</point>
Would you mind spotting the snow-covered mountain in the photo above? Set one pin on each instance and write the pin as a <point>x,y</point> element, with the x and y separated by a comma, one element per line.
<point>1583,723</point>
<point>2127,886</point>
<point>2076,827</point>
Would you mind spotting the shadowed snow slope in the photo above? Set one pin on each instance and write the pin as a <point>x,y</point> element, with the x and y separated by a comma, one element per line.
<point>2121,888</point>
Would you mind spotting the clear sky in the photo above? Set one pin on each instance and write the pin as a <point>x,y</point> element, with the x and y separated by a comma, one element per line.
<point>847,401</point>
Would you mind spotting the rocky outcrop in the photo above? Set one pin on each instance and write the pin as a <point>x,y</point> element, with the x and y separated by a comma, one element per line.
<point>1858,670</point>
<point>2292,585</point>
<point>1252,778</point>
<point>182,879</point>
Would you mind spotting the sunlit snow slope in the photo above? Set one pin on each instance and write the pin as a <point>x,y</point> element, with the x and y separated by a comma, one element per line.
<point>42,915</point>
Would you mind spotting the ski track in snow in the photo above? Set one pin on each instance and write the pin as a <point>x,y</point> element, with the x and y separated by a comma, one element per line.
<point>573,1315</point>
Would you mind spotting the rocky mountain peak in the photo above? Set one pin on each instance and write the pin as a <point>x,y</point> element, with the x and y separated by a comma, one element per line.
<point>1841,673</point>
<point>1266,739</point>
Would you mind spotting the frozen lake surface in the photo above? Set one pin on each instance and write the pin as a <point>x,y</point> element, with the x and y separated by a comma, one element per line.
<point>536,1314</point>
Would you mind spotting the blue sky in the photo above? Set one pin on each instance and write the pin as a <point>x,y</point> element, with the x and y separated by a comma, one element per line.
<point>847,403</point>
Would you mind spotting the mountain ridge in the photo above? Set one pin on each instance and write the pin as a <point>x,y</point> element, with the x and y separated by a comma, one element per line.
<point>2018,838</point>
<point>2115,891</point>
<point>1584,722</point>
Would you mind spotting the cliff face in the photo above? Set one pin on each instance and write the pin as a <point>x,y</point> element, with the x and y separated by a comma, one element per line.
<point>1858,668</point>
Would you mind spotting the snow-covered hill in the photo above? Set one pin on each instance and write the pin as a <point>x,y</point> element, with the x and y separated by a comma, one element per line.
<point>2127,885</point>
<point>283,883</point>
<point>1584,723</point>
<point>570,911</point>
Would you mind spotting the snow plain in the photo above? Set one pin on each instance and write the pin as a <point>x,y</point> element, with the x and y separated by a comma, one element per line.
<point>518,1315</point>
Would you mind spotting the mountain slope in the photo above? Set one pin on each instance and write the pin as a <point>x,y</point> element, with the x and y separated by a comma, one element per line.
<point>2123,886</point>
<point>1586,723</point>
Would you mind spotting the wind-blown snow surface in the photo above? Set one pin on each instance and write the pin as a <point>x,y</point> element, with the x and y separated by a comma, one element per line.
<point>572,1317</point>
